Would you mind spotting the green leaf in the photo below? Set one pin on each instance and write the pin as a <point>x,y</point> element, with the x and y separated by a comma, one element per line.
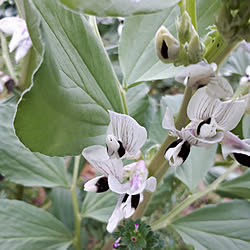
<point>62,206</point>
<point>194,169</point>
<point>20,165</point>
<point>99,206</point>
<point>206,14</point>
<point>118,7</point>
<point>138,58</point>
<point>72,90</point>
<point>236,63</point>
<point>138,102</point>
<point>238,187</point>
<point>25,227</point>
<point>137,54</point>
<point>246,126</point>
<point>218,227</point>
<point>156,132</point>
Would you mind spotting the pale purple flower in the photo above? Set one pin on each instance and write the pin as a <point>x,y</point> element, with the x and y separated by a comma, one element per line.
<point>20,40</point>
<point>117,244</point>
<point>129,182</point>
<point>203,74</point>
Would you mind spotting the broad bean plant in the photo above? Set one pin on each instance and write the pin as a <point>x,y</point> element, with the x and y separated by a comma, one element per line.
<point>125,124</point>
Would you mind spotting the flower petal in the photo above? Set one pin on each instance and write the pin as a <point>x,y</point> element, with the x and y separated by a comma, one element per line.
<point>219,87</point>
<point>151,184</point>
<point>233,144</point>
<point>116,186</point>
<point>97,156</point>
<point>229,113</point>
<point>22,49</point>
<point>98,184</point>
<point>128,131</point>
<point>9,25</point>
<point>202,106</point>
<point>177,152</point>
<point>198,74</point>
<point>116,216</point>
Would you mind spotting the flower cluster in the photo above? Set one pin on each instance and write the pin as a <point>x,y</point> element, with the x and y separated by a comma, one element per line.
<point>210,118</point>
<point>124,139</point>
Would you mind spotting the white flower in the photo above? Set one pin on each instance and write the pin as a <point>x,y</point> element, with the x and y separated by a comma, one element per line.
<point>203,74</point>
<point>207,115</point>
<point>129,182</point>
<point>124,137</point>
<point>240,149</point>
<point>20,37</point>
<point>246,78</point>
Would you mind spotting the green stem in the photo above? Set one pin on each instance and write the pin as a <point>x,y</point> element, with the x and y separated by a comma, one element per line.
<point>218,49</point>
<point>77,239</point>
<point>191,10</point>
<point>6,57</point>
<point>124,102</point>
<point>182,5</point>
<point>167,219</point>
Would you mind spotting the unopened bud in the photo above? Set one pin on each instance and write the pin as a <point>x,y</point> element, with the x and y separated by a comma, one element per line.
<point>167,47</point>
<point>195,49</point>
<point>184,28</point>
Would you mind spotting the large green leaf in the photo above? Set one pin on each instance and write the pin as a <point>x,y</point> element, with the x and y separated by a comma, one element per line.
<point>25,227</point>
<point>118,7</point>
<point>99,206</point>
<point>217,227</point>
<point>138,58</point>
<point>239,187</point>
<point>246,126</point>
<point>192,171</point>
<point>20,165</point>
<point>73,88</point>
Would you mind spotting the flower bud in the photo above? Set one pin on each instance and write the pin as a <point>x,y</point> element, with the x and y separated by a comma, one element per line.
<point>184,28</point>
<point>167,47</point>
<point>195,49</point>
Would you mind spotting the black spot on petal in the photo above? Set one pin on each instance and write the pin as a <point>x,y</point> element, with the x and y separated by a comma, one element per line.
<point>185,150</point>
<point>207,121</point>
<point>164,50</point>
<point>102,185</point>
<point>242,159</point>
<point>135,200</point>
<point>10,84</point>
<point>174,144</point>
<point>121,150</point>
<point>125,198</point>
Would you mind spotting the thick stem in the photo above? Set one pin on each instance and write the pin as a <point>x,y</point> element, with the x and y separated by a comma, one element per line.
<point>6,57</point>
<point>124,102</point>
<point>191,10</point>
<point>218,49</point>
<point>77,239</point>
<point>167,219</point>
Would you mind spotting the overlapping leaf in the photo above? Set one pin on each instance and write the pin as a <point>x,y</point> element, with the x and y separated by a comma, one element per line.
<point>25,227</point>
<point>73,88</point>
<point>22,166</point>
<point>218,227</point>
<point>118,7</point>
